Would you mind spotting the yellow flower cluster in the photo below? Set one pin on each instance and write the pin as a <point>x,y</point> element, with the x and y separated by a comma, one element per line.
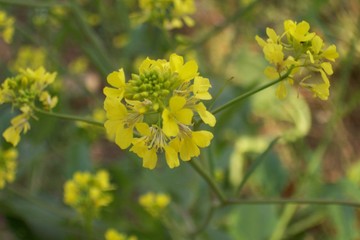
<point>88,193</point>
<point>112,234</point>
<point>297,49</point>
<point>167,13</point>
<point>25,91</point>
<point>154,111</point>
<point>6,27</point>
<point>8,162</point>
<point>29,57</point>
<point>154,204</point>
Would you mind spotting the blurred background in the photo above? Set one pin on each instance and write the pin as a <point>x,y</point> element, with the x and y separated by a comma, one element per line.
<point>85,40</point>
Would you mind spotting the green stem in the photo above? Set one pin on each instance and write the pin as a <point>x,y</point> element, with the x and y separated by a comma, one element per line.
<point>282,201</point>
<point>282,224</point>
<point>206,222</point>
<point>208,180</point>
<point>257,162</point>
<point>252,92</point>
<point>69,117</point>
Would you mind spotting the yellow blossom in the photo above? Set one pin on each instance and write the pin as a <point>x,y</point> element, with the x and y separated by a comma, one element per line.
<point>29,57</point>
<point>157,107</point>
<point>8,163</point>
<point>154,204</point>
<point>25,91</point>
<point>87,193</point>
<point>169,14</point>
<point>304,50</point>
<point>112,234</point>
<point>6,27</point>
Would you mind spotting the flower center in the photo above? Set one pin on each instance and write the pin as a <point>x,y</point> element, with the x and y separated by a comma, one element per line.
<point>154,85</point>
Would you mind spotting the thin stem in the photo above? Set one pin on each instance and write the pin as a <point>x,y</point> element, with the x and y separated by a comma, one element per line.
<point>206,222</point>
<point>257,162</point>
<point>69,117</point>
<point>252,92</point>
<point>208,180</point>
<point>282,201</point>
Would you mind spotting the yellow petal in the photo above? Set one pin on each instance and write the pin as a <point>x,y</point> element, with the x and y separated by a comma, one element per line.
<point>176,62</point>
<point>184,116</point>
<point>330,53</point>
<point>113,92</point>
<point>171,157</point>
<point>176,103</point>
<point>188,149</point>
<point>205,115</point>
<point>201,87</point>
<point>143,129</point>
<point>272,34</point>
<point>145,65</point>
<point>124,137</point>
<point>116,79</point>
<point>327,68</point>
<point>12,135</point>
<point>202,138</point>
<point>281,91</point>
<point>310,56</point>
<point>271,73</point>
<point>150,159</point>
<point>188,71</point>
<point>260,41</point>
<point>324,77</point>
<point>316,44</point>
<point>111,127</point>
<point>170,127</point>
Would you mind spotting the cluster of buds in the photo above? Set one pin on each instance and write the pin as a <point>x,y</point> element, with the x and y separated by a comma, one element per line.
<point>87,193</point>
<point>154,204</point>
<point>155,110</point>
<point>169,14</point>
<point>26,92</point>
<point>300,53</point>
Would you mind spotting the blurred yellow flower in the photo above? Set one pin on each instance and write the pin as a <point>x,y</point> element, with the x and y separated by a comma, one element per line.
<point>169,14</point>
<point>8,163</point>
<point>87,193</point>
<point>155,204</point>
<point>112,234</point>
<point>29,57</point>
<point>304,50</point>
<point>154,111</point>
<point>6,27</point>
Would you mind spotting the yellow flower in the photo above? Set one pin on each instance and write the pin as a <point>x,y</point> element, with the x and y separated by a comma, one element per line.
<point>112,234</point>
<point>155,107</point>
<point>88,193</point>
<point>18,124</point>
<point>25,91</point>
<point>117,81</point>
<point>29,57</point>
<point>304,51</point>
<point>169,14</point>
<point>6,27</point>
<point>201,88</point>
<point>188,143</point>
<point>8,163</point>
<point>154,204</point>
<point>175,116</point>
<point>298,31</point>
